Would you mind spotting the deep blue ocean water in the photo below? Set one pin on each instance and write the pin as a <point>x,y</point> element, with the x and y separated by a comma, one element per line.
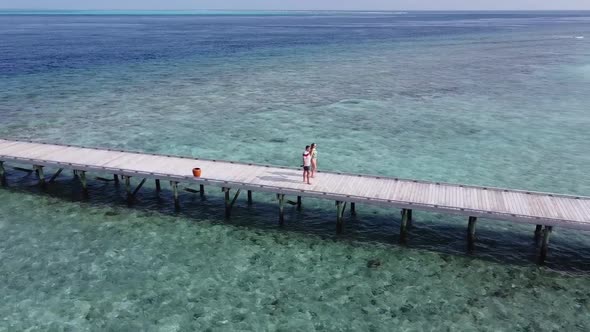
<point>489,98</point>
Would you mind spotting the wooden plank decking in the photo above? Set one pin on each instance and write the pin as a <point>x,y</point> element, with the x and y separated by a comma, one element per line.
<point>491,203</point>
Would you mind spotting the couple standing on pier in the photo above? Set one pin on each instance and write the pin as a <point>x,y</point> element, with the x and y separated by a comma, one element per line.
<point>310,162</point>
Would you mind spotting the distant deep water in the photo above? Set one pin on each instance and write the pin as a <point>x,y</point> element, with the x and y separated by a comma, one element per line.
<point>498,99</point>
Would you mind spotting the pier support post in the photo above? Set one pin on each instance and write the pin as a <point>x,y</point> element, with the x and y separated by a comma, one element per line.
<point>538,233</point>
<point>353,209</point>
<point>281,198</point>
<point>471,233</point>
<point>40,175</point>
<point>227,201</point>
<point>403,232</point>
<point>410,220</point>
<point>116,178</point>
<point>2,174</point>
<point>299,202</point>
<point>127,186</point>
<point>249,197</point>
<point>202,190</point>
<point>230,203</point>
<point>82,176</point>
<point>158,187</point>
<point>545,244</point>
<point>340,207</point>
<point>174,186</point>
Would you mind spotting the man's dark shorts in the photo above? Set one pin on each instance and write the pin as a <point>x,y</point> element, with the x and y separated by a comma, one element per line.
<point>306,168</point>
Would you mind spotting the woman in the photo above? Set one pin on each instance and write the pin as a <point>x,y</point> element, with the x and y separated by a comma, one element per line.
<point>314,159</point>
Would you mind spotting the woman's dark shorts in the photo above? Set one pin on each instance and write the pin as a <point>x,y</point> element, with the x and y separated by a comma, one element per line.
<point>306,168</point>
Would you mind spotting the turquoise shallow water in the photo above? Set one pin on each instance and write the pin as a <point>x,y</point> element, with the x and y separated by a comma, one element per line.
<point>498,99</point>
<point>102,266</point>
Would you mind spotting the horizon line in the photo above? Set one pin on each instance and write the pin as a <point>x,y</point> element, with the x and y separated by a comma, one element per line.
<point>299,10</point>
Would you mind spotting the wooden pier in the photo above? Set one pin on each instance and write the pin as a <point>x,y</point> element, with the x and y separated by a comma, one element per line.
<point>544,210</point>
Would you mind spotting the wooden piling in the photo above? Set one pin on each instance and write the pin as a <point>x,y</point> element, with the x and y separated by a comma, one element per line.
<point>40,175</point>
<point>116,178</point>
<point>158,187</point>
<point>538,233</point>
<point>353,209</point>
<point>471,233</point>
<point>174,186</point>
<point>227,201</point>
<point>339,216</point>
<point>404,226</point>
<point>249,197</point>
<point>2,174</point>
<point>299,202</point>
<point>82,176</point>
<point>127,187</point>
<point>230,203</point>
<point>202,190</point>
<point>281,198</point>
<point>545,244</point>
<point>410,219</point>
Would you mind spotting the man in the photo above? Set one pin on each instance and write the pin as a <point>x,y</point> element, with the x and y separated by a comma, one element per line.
<point>306,164</point>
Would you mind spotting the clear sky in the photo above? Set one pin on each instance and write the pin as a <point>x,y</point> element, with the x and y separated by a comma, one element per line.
<point>301,4</point>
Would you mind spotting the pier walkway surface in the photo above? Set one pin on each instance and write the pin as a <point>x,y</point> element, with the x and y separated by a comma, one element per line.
<point>541,209</point>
